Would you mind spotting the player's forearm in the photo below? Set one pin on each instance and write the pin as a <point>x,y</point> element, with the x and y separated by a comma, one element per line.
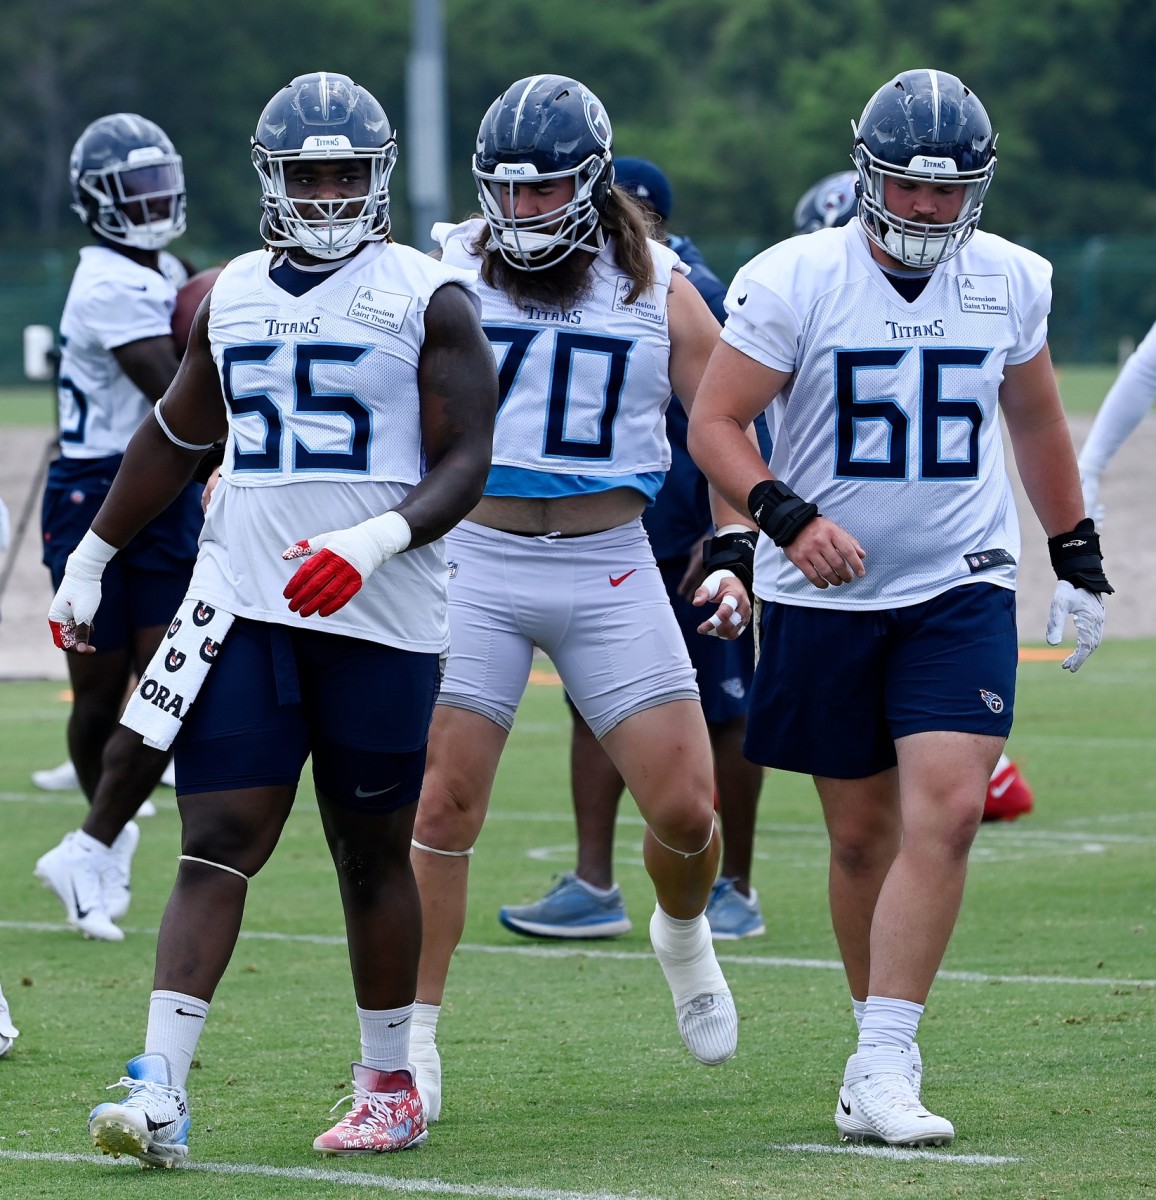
<point>726,456</point>
<point>1047,469</point>
<point>448,493</point>
<point>1125,406</point>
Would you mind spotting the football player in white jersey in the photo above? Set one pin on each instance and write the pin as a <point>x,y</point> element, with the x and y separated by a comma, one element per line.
<point>357,392</point>
<point>827,204</point>
<point>887,565</point>
<point>1127,403</point>
<point>117,358</point>
<point>592,324</point>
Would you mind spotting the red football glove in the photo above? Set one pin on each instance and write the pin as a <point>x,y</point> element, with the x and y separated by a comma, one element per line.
<point>341,561</point>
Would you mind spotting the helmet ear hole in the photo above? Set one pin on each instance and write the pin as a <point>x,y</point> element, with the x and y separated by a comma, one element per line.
<point>600,192</point>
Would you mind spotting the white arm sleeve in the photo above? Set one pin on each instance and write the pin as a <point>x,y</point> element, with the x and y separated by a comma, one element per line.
<point>1125,406</point>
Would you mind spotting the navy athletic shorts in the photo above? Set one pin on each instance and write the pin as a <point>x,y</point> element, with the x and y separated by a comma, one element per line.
<point>277,694</point>
<point>835,688</point>
<point>143,586</point>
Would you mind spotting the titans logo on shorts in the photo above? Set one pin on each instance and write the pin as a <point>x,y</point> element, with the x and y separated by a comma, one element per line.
<point>835,689</point>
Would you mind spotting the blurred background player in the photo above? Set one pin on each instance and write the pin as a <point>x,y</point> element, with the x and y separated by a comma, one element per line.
<point>828,204</point>
<point>889,640</point>
<point>334,659</point>
<point>1127,403</point>
<point>117,358</point>
<point>587,903</point>
<point>592,325</point>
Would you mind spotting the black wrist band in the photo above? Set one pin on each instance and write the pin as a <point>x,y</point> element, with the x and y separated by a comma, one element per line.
<point>1076,558</point>
<point>733,552</point>
<point>779,512</point>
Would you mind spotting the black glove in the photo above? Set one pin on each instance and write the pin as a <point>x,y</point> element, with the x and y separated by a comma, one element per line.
<point>779,512</point>
<point>1076,558</point>
<point>733,552</point>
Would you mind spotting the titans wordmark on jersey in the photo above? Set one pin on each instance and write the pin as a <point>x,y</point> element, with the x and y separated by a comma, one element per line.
<point>581,391</point>
<point>321,392</point>
<point>889,422</point>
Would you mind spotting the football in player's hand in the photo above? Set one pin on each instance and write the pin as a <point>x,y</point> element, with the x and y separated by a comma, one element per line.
<point>189,299</point>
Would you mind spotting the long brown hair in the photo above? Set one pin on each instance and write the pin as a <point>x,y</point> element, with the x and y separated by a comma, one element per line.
<point>622,218</point>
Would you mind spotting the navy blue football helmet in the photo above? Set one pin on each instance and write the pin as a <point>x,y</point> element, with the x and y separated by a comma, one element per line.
<point>924,126</point>
<point>544,127</point>
<point>128,184</point>
<point>323,116</point>
<point>831,202</point>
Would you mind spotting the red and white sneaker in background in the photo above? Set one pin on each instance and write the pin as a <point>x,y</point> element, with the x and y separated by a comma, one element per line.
<point>1008,795</point>
<point>387,1115</point>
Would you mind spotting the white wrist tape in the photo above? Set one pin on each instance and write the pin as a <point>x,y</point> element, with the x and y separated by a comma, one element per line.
<point>89,558</point>
<point>368,545</point>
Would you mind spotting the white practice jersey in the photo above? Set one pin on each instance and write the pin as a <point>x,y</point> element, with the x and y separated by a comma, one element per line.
<point>112,301</point>
<point>582,391</point>
<point>889,423</point>
<point>324,433</point>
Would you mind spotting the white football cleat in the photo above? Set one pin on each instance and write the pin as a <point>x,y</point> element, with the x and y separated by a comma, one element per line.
<point>73,871</point>
<point>116,877</point>
<point>151,1123</point>
<point>703,1004</point>
<point>8,1032</point>
<point>877,1103</point>
<point>57,779</point>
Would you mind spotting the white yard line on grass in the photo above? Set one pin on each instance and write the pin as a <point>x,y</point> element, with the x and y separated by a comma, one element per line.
<point>897,1153</point>
<point>587,951</point>
<point>343,1178</point>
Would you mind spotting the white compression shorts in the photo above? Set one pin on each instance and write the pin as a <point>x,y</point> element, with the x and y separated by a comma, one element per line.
<point>595,604</point>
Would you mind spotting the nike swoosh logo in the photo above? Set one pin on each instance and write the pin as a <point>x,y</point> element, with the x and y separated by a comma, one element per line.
<point>366,795</point>
<point>743,298</point>
<point>998,790</point>
<point>155,1125</point>
<point>844,1106</point>
<point>621,578</point>
<point>140,287</point>
<point>395,1024</point>
<point>181,1013</point>
<point>81,913</point>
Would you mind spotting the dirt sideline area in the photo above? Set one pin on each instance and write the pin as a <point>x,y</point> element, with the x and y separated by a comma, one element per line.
<point>1129,494</point>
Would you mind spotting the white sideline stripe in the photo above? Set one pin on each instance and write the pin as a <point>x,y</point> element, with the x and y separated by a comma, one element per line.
<point>343,1178</point>
<point>736,960</point>
<point>900,1154</point>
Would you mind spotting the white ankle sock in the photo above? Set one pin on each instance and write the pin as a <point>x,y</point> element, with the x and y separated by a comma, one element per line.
<point>888,1021</point>
<point>425,1016</point>
<point>385,1037</point>
<point>174,1028</point>
<point>858,1007</point>
<point>686,954</point>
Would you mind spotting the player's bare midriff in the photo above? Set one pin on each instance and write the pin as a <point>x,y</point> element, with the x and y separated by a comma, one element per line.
<point>567,515</point>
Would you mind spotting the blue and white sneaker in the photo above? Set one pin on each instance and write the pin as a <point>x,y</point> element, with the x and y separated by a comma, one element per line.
<point>731,915</point>
<point>151,1123</point>
<point>570,909</point>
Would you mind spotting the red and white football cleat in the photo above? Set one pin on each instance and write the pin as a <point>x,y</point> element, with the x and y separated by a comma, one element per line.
<point>387,1115</point>
<point>1008,795</point>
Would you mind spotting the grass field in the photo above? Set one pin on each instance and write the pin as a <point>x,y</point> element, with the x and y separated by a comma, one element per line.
<point>564,1074</point>
<point>1082,387</point>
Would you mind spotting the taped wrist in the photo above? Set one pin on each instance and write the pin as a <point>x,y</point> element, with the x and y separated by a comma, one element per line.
<point>1076,558</point>
<point>779,512</point>
<point>733,552</point>
<point>89,558</point>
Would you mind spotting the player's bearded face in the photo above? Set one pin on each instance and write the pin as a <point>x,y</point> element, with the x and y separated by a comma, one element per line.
<point>561,286</point>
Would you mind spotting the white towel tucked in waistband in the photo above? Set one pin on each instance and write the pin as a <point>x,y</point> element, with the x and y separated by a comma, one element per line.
<point>173,678</point>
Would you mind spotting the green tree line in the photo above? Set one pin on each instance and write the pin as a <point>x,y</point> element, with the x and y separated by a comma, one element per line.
<point>744,102</point>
